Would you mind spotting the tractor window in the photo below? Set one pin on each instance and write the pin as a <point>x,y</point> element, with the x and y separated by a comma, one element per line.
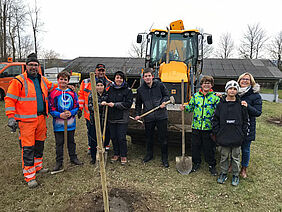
<point>12,71</point>
<point>182,48</point>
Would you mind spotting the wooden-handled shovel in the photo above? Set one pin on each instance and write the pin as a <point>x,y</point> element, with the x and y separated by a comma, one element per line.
<point>183,164</point>
<point>170,101</point>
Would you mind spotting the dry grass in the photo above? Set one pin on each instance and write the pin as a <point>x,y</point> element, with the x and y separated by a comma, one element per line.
<point>157,189</point>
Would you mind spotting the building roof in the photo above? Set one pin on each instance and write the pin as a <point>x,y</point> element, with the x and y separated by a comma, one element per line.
<point>218,68</point>
<point>261,69</point>
<point>131,66</point>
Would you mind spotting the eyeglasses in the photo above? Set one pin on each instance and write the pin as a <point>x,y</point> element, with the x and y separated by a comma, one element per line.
<point>207,83</point>
<point>35,65</point>
<point>245,79</point>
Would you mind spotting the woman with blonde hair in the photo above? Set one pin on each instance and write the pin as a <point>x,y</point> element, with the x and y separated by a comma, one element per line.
<point>250,97</point>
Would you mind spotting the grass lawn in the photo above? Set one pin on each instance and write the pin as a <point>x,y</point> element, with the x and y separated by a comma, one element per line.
<point>270,91</point>
<point>147,187</point>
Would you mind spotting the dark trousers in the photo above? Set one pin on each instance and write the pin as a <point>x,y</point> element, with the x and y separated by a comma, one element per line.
<point>201,141</point>
<point>162,137</point>
<point>59,136</point>
<point>118,137</point>
<point>92,138</point>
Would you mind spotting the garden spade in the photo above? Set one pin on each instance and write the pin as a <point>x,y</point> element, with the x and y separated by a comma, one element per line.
<point>183,164</point>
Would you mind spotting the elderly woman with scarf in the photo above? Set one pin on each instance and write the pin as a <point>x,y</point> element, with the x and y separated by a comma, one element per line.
<point>250,97</point>
<point>120,99</point>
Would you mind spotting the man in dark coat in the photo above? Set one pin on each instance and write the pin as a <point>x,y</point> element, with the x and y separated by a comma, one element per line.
<point>150,94</point>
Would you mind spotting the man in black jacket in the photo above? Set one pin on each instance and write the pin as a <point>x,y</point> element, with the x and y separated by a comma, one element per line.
<point>150,94</point>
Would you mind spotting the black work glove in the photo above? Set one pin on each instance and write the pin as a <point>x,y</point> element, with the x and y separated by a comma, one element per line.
<point>79,114</point>
<point>12,124</point>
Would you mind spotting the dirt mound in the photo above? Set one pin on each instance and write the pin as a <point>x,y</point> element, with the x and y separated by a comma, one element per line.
<point>275,120</point>
<point>120,200</point>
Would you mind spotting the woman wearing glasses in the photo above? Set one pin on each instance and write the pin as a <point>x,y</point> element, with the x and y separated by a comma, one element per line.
<point>250,97</point>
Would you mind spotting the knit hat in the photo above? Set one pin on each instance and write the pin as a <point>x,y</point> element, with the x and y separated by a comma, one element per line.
<point>231,84</point>
<point>100,81</point>
<point>32,58</point>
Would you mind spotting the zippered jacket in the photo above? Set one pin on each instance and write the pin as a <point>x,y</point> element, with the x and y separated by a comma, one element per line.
<point>59,101</point>
<point>21,101</point>
<point>151,98</point>
<point>230,123</point>
<point>122,98</point>
<point>253,98</point>
<point>203,107</point>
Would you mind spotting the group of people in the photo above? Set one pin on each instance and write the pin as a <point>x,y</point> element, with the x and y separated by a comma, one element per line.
<point>227,120</point>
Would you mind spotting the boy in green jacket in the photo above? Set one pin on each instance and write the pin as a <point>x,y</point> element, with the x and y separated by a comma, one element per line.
<point>203,104</point>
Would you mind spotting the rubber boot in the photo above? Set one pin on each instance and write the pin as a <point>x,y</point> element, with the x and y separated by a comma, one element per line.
<point>243,172</point>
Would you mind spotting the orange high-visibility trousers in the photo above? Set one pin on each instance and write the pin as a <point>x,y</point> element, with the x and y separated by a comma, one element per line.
<point>32,136</point>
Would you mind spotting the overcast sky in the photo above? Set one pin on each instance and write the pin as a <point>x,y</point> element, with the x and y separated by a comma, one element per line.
<point>107,28</point>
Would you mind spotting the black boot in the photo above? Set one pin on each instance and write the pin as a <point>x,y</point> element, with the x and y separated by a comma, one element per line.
<point>147,158</point>
<point>76,162</point>
<point>165,163</point>
<point>165,160</point>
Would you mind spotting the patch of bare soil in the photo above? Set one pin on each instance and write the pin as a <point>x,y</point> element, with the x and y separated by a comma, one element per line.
<point>120,200</point>
<point>275,120</point>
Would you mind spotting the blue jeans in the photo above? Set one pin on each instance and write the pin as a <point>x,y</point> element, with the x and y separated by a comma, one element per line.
<point>245,153</point>
<point>118,137</point>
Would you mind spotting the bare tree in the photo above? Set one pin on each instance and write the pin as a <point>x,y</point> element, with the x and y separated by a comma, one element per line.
<point>51,58</point>
<point>252,42</point>
<point>34,14</point>
<point>275,49</point>
<point>27,45</point>
<point>20,18</point>
<point>225,46</point>
<point>138,49</point>
<point>4,15</point>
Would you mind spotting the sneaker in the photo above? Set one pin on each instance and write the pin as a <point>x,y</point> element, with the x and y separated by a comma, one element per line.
<point>165,163</point>
<point>195,167</point>
<point>32,184</point>
<point>58,167</point>
<point>43,170</point>
<point>212,170</point>
<point>123,160</point>
<point>222,178</point>
<point>76,162</point>
<point>114,158</point>
<point>235,180</point>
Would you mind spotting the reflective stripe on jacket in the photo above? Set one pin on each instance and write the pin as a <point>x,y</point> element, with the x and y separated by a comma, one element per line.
<point>20,101</point>
<point>83,94</point>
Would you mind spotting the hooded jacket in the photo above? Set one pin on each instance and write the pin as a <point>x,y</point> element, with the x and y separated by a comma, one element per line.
<point>230,123</point>
<point>122,98</point>
<point>203,107</point>
<point>151,98</point>
<point>253,98</point>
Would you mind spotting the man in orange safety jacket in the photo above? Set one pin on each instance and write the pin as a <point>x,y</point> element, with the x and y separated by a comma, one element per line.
<point>26,105</point>
<point>83,94</point>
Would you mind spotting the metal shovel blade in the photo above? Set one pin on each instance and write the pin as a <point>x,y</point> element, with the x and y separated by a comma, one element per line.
<point>184,164</point>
